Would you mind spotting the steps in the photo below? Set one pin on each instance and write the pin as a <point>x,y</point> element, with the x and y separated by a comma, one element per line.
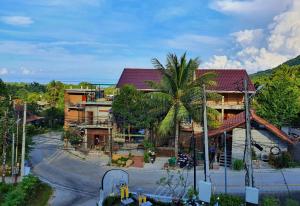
<point>222,159</point>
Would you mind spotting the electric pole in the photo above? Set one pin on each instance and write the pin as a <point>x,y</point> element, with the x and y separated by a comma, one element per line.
<point>248,155</point>
<point>225,161</point>
<point>205,135</point>
<point>4,139</point>
<point>17,140</point>
<point>23,142</point>
<point>194,157</point>
<point>12,154</point>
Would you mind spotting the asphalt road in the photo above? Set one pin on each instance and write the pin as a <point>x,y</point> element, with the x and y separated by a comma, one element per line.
<point>77,181</point>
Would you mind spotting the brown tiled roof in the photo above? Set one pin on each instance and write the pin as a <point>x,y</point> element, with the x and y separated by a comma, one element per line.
<point>227,79</point>
<point>239,120</point>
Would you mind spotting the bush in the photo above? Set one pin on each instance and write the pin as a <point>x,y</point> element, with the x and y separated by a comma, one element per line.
<point>238,164</point>
<point>280,161</point>
<point>24,191</point>
<point>270,201</point>
<point>146,157</point>
<point>291,202</point>
<point>148,145</point>
<point>227,200</point>
<point>111,200</point>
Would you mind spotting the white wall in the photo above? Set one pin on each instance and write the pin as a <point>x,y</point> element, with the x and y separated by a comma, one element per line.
<point>262,137</point>
<point>99,112</point>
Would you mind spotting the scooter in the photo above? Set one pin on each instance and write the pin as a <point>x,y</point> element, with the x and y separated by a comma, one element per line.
<point>152,156</point>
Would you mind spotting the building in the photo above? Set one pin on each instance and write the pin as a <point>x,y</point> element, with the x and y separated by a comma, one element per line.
<point>266,138</point>
<point>88,112</point>
<point>229,84</point>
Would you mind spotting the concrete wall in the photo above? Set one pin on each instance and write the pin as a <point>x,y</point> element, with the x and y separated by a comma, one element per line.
<point>100,113</point>
<point>262,137</point>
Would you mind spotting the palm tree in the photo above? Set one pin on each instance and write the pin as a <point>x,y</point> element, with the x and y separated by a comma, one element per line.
<point>181,90</point>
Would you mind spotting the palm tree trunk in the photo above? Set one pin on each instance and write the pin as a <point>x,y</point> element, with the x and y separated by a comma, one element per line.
<point>176,138</point>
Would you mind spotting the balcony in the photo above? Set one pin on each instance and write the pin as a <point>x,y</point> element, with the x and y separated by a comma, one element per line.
<point>99,124</point>
<point>226,105</point>
<point>76,106</point>
<point>103,102</point>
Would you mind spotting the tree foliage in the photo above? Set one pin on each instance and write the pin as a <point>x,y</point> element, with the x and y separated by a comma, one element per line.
<point>279,102</point>
<point>134,108</point>
<point>182,92</point>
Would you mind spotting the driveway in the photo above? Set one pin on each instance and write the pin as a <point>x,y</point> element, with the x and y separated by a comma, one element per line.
<point>77,180</point>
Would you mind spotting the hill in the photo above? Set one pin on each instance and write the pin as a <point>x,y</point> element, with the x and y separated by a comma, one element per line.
<point>265,74</point>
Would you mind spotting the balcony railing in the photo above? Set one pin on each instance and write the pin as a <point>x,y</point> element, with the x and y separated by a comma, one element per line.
<point>228,105</point>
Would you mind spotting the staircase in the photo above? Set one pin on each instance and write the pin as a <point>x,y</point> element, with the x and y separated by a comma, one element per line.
<point>222,159</point>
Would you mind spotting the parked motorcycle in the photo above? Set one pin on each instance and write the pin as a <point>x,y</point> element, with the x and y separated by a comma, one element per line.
<point>185,160</point>
<point>152,156</point>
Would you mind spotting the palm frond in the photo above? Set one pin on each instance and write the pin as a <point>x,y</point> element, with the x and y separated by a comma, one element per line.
<point>167,124</point>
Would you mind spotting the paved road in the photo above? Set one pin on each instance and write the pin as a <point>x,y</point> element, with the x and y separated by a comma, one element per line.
<point>77,181</point>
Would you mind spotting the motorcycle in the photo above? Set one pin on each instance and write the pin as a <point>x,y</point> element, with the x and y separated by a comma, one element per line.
<point>185,160</point>
<point>152,156</point>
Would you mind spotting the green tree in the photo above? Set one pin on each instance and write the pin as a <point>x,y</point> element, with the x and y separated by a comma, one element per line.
<point>182,92</point>
<point>55,94</point>
<point>279,102</point>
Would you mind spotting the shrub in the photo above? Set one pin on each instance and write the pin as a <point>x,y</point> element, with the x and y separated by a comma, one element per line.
<point>24,191</point>
<point>148,145</point>
<point>111,200</point>
<point>270,201</point>
<point>291,202</point>
<point>146,157</point>
<point>227,200</point>
<point>238,164</point>
<point>280,161</point>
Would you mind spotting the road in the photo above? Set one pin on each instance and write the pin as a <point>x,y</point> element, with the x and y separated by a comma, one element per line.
<point>77,181</point>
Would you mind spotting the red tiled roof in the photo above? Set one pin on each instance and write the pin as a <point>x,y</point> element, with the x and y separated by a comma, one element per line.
<point>239,120</point>
<point>227,79</point>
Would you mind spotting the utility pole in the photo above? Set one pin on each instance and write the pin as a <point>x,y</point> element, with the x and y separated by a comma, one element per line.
<point>12,154</point>
<point>17,140</point>
<point>4,147</point>
<point>23,142</point>
<point>110,139</point>
<point>248,155</point>
<point>194,158</point>
<point>225,161</point>
<point>205,135</point>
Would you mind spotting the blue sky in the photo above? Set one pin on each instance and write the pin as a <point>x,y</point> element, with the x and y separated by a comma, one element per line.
<point>93,40</point>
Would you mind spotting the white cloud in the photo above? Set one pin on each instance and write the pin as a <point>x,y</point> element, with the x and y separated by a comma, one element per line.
<point>261,49</point>
<point>69,3</point>
<point>26,71</point>
<point>247,37</point>
<point>251,8</point>
<point>3,71</point>
<point>192,42</point>
<point>171,12</point>
<point>17,20</point>
<point>222,62</point>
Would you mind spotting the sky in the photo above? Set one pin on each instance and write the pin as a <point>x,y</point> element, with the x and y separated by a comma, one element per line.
<point>94,40</point>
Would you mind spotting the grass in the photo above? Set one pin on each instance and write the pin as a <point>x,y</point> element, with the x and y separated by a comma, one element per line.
<point>43,197</point>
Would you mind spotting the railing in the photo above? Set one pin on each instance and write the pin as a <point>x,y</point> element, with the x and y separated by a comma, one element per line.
<point>228,105</point>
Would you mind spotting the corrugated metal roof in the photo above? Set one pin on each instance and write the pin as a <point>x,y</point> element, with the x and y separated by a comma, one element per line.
<point>239,120</point>
<point>227,79</point>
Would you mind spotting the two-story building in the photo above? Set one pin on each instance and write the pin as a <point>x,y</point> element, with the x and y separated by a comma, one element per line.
<point>88,112</point>
<point>229,84</point>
